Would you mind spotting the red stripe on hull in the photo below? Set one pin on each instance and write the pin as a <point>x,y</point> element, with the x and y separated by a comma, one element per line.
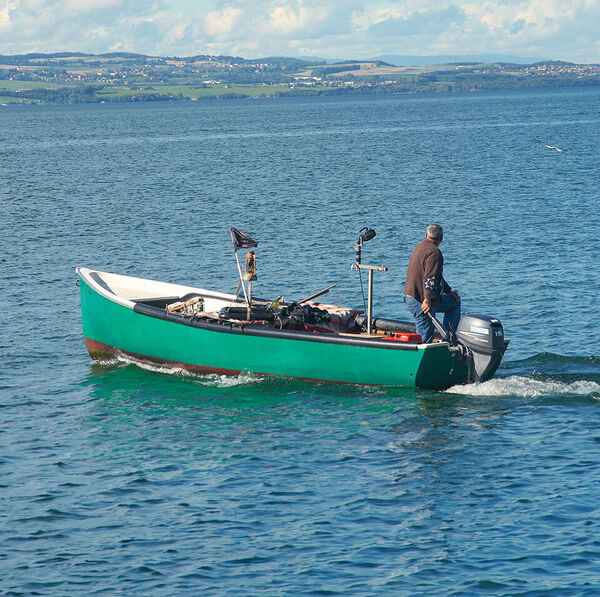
<point>101,351</point>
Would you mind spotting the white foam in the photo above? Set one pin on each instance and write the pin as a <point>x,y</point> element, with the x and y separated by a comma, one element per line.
<point>220,381</point>
<point>527,387</point>
<point>108,363</point>
<point>127,360</point>
<point>229,381</point>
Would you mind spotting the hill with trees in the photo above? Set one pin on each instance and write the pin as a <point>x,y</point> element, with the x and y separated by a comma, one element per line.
<point>72,77</point>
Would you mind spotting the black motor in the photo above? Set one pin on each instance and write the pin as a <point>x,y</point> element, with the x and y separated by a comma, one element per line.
<point>482,338</point>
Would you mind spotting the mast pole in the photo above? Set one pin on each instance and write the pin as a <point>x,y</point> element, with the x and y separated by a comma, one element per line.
<point>370,303</point>
<point>237,259</point>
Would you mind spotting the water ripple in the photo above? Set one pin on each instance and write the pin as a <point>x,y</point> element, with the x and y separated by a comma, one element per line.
<point>117,478</point>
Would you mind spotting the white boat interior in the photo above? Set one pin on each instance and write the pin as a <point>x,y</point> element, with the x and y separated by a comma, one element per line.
<point>189,301</point>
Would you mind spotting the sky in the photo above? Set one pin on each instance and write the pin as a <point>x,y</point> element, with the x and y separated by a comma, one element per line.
<point>352,29</point>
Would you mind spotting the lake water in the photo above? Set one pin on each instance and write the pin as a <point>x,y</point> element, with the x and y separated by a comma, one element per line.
<point>117,480</point>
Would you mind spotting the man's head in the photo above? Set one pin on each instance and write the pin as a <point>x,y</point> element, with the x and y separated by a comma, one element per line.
<point>435,233</point>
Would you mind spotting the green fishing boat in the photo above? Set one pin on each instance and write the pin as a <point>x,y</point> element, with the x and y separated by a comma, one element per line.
<point>208,332</point>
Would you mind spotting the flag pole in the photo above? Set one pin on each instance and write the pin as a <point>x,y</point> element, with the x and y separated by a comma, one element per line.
<point>241,240</point>
<point>237,259</point>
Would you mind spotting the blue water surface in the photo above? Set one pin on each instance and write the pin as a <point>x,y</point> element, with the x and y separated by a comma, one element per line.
<point>117,479</point>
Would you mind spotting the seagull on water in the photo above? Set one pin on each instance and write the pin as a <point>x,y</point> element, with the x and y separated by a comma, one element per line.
<point>553,147</point>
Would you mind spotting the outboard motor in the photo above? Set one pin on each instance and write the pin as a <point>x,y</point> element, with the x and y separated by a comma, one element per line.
<point>482,338</point>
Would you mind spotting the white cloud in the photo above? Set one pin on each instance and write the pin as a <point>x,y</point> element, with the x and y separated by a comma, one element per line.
<point>91,26</point>
<point>289,19</point>
<point>5,13</point>
<point>277,23</point>
<point>221,24</point>
<point>89,6</point>
<point>538,13</point>
<point>540,27</point>
<point>332,28</point>
<point>307,18</point>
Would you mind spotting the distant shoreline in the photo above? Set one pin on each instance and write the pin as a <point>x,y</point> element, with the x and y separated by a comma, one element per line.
<point>69,78</point>
<point>67,97</point>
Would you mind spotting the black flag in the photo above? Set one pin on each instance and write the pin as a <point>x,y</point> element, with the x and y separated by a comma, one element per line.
<point>241,240</point>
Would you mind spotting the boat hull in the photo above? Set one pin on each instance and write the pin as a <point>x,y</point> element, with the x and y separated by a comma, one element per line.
<point>151,334</point>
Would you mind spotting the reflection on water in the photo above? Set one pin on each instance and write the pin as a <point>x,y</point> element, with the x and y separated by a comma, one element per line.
<point>111,382</point>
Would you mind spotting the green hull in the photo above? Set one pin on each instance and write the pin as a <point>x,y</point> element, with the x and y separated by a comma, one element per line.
<point>110,327</point>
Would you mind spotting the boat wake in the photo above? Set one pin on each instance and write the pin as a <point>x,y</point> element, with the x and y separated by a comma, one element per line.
<point>228,381</point>
<point>123,360</point>
<point>543,375</point>
<point>528,387</point>
<point>114,363</point>
<point>212,379</point>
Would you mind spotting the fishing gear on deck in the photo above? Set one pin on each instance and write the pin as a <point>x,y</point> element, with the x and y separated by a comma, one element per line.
<point>318,294</point>
<point>298,316</point>
<point>193,306</point>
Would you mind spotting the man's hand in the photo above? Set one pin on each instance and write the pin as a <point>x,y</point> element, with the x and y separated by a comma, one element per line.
<point>425,306</point>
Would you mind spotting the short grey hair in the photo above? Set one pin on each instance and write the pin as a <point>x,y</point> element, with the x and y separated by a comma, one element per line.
<point>435,232</point>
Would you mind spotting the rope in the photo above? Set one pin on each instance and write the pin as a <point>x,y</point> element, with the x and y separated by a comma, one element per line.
<point>261,288</point>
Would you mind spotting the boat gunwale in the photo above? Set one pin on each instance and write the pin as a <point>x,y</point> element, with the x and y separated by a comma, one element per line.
<point>232,327</point>
<point>104,290</point>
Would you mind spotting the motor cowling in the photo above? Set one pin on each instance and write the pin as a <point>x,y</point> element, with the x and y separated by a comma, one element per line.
<point>482,338</point>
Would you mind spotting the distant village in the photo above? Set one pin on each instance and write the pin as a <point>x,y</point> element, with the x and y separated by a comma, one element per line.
<point>72,77</point>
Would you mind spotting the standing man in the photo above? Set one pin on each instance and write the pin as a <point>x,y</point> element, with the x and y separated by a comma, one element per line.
<point>425,290</point>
